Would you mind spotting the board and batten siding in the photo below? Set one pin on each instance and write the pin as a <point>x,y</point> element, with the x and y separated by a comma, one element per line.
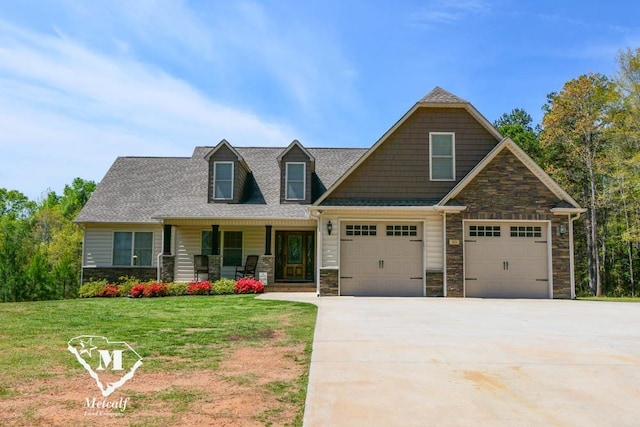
<point>98,243</point>
<point>188,244</point>
<point>432,230</point>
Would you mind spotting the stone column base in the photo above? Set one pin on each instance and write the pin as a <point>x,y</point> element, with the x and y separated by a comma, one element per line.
<point>329,281</point>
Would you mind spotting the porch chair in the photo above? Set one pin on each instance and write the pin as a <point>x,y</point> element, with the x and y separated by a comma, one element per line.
<point>200,265</point>
<point>249,268</point>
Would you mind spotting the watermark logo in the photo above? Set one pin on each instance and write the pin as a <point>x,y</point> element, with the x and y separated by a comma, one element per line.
<point>110,364</point>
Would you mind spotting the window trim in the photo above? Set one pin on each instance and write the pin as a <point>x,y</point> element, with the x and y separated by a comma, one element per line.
<point>133,248</point>
<point>304,181</point>
<point>215,166</point>
<point>452,157</point>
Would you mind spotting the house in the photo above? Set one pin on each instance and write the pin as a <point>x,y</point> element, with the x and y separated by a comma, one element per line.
<point>440,205</point>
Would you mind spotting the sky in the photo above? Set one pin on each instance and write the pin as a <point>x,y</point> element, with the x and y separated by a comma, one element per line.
<point>83,82</point>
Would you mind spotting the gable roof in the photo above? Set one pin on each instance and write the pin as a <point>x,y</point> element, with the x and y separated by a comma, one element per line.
<point>148,189</point>
<point>296,143</point>
<point>225,143</point>
<point>508,144</point>
<point>437,98</point>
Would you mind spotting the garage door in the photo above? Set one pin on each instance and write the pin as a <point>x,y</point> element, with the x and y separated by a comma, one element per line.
<point>381,259</point>
<point>506,260</point>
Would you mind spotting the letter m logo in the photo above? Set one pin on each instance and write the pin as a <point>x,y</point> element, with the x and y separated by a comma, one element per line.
<point>107,357</point>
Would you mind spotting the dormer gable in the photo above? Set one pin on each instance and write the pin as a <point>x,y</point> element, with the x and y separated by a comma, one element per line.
<point>228,173</point>
<point>297,167</point>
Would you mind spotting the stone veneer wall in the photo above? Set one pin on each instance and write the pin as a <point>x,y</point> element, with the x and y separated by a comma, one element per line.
<point>329,281</point>
<point>455,260</point>
<point>167,272</point>
<point>265,264</point>
<point>434,283</point>
<point>113,274</point>
<point>215,268</point>
<point>507,190</point>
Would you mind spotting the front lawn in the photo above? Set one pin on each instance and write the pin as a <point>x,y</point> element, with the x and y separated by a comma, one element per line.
<point>206,360</point>
<point>610,299</point>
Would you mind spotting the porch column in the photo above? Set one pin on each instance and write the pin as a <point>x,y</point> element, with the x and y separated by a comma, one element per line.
<point>167,267</point>
<point>267,240</point>
<point>215,239</point>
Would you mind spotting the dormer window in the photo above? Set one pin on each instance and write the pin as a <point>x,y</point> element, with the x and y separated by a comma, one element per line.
<point>223,180</point>
<point>295,181</point>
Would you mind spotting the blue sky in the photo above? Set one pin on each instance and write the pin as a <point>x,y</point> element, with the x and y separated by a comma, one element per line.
<point>82,82</point>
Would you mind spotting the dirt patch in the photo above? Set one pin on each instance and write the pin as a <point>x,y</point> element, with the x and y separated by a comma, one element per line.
<point>246,390</point>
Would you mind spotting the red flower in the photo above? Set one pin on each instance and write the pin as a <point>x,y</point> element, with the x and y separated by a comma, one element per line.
<point>248,286</point>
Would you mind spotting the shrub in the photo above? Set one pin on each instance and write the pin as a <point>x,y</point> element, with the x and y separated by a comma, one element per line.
<point>248,286</point>
<point>110,291</point>
<point>91,288</point>
<point>126,283</point>
<point>137,290</point>
<point>199,288</point>
<point>223,286</point>
<point>177,289</point>
<point>155,290</point>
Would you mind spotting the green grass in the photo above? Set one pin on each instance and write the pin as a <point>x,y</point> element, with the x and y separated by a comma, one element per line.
<point>610,299</point>
<point>172,333</point>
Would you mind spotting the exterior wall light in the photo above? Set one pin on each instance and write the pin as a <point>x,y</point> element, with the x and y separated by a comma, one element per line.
<point>329,227</point>
<point>563,229</point>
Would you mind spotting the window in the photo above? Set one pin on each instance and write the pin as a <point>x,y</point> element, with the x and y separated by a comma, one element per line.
<point>223,180</point>
<point>295,181</point>
<point>133,248</point>
<point>402,230</point>
<point>526,231</point>
<point>205,243</point>
<point>484,230</point>
<point>232,249</point>
<point>361,230</point>
<point>442,162</point>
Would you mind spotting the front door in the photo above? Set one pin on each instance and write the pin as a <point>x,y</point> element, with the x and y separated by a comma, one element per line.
<point>294,256</point>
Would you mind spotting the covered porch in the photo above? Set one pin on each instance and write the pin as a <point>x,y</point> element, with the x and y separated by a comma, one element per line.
<point>286,250</point>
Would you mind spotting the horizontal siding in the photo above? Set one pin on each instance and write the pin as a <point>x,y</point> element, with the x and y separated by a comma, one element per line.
<point>188,244</point>
<point>330,254</point>
<point>98,243</point>
<point>433,236</point>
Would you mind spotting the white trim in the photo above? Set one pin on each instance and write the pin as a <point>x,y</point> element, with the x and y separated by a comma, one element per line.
<point>304,181</point>
<point>215,166</point>
<point>444,254</point>
<point>453,156</point>
<point>525,159</point>
<point>507,221</point>
<point>296,143</point>
<point>226,143</point>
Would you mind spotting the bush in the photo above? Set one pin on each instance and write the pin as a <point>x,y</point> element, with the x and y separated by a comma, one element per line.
<point>155,290</point>
<point>199,288</point>
<point>110,291</point>
<point>137,290</point>
<point>248,286</point>
<point>177,289</point>
<point>91,288</point>
<point>223,287</point>
<point>126,283</point>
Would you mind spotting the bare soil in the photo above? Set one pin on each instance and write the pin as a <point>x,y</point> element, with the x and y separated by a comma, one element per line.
<point>245,390</point>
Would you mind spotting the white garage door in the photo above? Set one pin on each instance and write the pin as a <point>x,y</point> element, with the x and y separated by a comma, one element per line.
<point>506,260</point>
<point>381,259</point>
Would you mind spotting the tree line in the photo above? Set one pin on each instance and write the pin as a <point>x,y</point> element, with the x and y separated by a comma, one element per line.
<point>588,142</point>
<point>40,245</point>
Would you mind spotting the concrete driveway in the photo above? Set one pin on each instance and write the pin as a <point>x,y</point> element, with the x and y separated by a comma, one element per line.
<point>460,362</point>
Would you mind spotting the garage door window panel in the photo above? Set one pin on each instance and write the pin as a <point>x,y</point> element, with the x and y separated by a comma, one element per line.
<point>484,231</point>
<point>526,231</point>
<point>361,230</point>
<point>402,230</point>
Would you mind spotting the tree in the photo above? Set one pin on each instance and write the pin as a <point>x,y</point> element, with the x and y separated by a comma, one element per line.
<point>577,134</point>
<point>75,196</point>
<point>517,125</point>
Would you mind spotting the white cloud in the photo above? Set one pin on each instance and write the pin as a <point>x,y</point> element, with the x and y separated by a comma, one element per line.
<point>67,111</point>
<point>446,12</point>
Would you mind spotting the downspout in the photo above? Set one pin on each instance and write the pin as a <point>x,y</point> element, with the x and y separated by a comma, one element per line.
<point>159,257</point>
<point>317,215</point>
<point>571,262</point>
<point>84,243</point>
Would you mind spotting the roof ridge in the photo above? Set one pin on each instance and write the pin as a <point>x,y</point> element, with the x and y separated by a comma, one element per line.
<point>441,96</point>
